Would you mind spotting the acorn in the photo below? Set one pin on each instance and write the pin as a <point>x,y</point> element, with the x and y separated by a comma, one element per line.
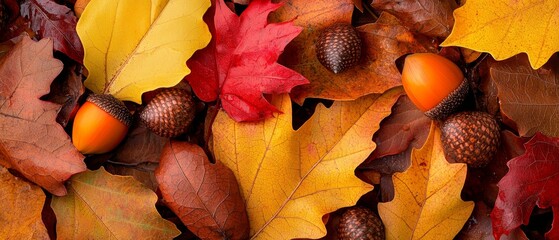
<point>434,84</point>
<point>100,124</point>
<point>338,47</point>
<point>170,112</point>
<point>360,223</point>
<point>470,137</point>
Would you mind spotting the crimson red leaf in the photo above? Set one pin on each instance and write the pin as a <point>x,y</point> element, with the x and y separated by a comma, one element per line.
<point>31,141</point>
<point>49,19</point>
<point>532,180</point>
<point>239,65</point>
<point>205,196</point>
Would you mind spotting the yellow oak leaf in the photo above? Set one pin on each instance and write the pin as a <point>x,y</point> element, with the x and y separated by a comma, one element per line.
<point>136,46</point>
<point>100,205</point>
<point>427,203</point>
<point>290,179</point>
<point>505,28</point>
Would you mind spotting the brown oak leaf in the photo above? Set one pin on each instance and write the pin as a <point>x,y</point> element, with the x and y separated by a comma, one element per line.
<point>383,42</point>
<point>406,125</point>
<point>431,18</point>
<point>528,97</point>
<point>32,142</point>
<point>205,196</point>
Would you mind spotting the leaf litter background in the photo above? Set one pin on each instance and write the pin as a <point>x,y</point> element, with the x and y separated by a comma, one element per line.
<point>302,158</point>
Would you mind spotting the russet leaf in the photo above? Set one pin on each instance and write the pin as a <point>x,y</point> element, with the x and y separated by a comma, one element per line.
<point>382,43</point>
<point>32,142</point>
<point>204,196</point>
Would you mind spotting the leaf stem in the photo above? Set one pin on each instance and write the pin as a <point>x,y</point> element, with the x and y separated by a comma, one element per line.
<point>367,7</point>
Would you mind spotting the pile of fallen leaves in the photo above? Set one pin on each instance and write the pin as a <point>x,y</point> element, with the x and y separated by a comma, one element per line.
<point>280,146</point>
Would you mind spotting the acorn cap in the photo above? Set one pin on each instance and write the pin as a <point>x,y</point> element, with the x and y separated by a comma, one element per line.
<point>450,103</point>
<point>170,112</point>
<point>112,106</point>
<point>470,137</point>
<point>338,47</point>
<point>360,223</point>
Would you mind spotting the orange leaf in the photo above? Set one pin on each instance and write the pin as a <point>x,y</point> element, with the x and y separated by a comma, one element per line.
<point>21,204</point>
<point>31,141</point>
<point>103,206</point>
<point>290,179</point>
<point>383,42</point>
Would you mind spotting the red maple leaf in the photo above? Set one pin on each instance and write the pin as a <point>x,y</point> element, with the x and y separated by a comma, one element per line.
<point>240,64</point>
<point>532,180</point>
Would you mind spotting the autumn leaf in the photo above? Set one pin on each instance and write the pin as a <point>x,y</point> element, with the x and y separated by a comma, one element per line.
<point>136,46</point>
<point>290,179</point>
<point>239,65</point>
<point>506,28</point>
<point>406,125</point>
<point>383,42</point>
<point>21,204</point>
<point>528,97</point>
<point>427,204</point>
<point>205,196</point>
<point>531,181</point>
<point>31,141</point>
<point>113,207</point>
<point>67,89</point>
<point>431,18</point>
<point>140,146</point>
<point>479,226</point>
<point>57,22</point>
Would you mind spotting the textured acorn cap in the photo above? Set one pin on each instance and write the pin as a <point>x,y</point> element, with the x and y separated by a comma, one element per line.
<point>470,137</point>
<point>360,223</point>
<point>112,106</point>
<point>450,103</point>
<point>170,112</point>
<point>338,47</point>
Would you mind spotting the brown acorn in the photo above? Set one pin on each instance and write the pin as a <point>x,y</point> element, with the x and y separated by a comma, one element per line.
<point>170,112</point>
<point>360,223</point>
<point>338,47</point>
<point>470,137</point>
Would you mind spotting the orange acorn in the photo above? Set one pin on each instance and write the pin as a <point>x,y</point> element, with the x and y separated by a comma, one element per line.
<point>100,124</point>
<point>434,84</point>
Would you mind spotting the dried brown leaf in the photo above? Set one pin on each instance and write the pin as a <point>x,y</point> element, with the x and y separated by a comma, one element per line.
<point>32,142</point>
<point>205,196</point>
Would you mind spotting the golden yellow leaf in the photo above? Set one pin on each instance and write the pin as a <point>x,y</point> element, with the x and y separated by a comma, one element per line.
<point>104,206</point>
<point>134,46</point>
<point>290,179</point>
<point>505,28</point>
<point>427,203</point>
